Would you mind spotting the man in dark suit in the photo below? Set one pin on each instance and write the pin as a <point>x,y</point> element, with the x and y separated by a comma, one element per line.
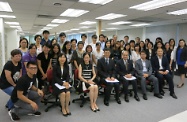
<point>124,68</point>
<point>144,72</point>
<point>106,70</point>
<point>160,66</point>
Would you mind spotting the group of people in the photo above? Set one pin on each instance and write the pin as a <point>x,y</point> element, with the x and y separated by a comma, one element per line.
<point>102,62</point>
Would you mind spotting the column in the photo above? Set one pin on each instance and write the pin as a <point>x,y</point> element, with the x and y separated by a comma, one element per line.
<point>98,28</point>
<point>144,34</point>
<point>2,43</point>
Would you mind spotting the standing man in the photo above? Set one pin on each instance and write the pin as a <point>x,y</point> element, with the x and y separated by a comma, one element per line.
<point>106,71</point>
<point>62,37</point>
<point>94,40</point>
<point>126,39</point>
<point>101,39</point>
<point>45,38</point>
<point>137,39</point>
<point>124,68</point>
<point>160,66</point>
<point>25,96</point>
<point>115,37</point>
<point>144,72</point>
<point>83,38</point>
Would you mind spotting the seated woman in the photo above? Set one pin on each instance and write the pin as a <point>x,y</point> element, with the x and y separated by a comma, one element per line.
<point>87,74</point>
<point>61,78</point>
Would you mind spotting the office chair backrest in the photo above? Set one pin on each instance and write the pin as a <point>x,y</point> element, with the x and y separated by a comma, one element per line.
<point>49,80</point>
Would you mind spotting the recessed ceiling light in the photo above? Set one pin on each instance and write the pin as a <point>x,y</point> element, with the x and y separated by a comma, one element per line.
<point>154,4</point>
<point>111,16</point>
<point>87,23</point>
<point>52,25</point>
<point>15,26</point>
<point>102,2</point>
<point>4,6</point>
<point>59,21</point>
<point>120,23</point>
<point>73,29</point>
<point>12,23</point>
<point>46,28</point>
<point>85,27</point>
<point>178,12</point>
<point>7,16</point>
<point>138,25</point>
<point>73,12</point>
<point>66,31</point>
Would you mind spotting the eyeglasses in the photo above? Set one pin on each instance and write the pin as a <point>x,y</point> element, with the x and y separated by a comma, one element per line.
<point>32,68</point>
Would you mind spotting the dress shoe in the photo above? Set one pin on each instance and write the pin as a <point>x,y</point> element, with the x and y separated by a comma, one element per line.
<point>69,113</point>
<point>106,103</point>
<point>162,92</point>
<point>173,95</point>
<point>94,110</point>
<point>126,98</point>
<point>118,101</point>
<point>136,98</point>
<point>158,96</point>
<point>97,109</point>
<point>144,96</point>
<point>179,86</point>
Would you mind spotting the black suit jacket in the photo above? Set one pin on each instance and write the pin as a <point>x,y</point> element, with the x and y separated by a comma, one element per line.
<point>147,54</point>
<point>121,68</point>
<point>58,77</point>
<point>156,66</point>
<point>105,70</point>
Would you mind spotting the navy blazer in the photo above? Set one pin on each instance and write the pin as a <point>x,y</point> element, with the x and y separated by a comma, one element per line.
<point>121,68</point>
<point>58,77</point>
<point>106,70</point>
<point>156,66</point>
<point>147,53</point>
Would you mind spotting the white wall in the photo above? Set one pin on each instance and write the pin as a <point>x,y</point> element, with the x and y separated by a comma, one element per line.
<point>12,41</point>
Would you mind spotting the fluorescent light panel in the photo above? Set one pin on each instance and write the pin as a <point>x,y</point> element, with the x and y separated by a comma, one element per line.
<point>73,29</point>
<point>178,12</point>
<point>7,16</point>
<point>12,23</point>
<point>73,12</point>
<point>111,28</point>
<point>59,21</point>
<point>102,2</point>
<point>154,4</point>
<point>120,23</point>
<point>111,16</point>
<point>84,27</point>
<point>52,25</point>
<point>138,25</point>
<point>87,23</point>
<point>4,6</point>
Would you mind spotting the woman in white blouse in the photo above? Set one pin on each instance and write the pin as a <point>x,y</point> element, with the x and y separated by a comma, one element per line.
<point>136,53</point>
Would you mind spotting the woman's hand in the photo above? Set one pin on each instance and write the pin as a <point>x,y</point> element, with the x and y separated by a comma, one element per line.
<point>90,82</point>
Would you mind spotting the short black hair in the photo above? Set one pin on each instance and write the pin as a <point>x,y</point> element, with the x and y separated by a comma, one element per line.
<point>47,45</point>
<point>101,35</point>
<point>46,32</point>
<point>31,63</point>
<point>32,45</point>
<point>94,36</point>
<point>35,37</point>
<point>80,42</point>
<point>142,52</point>
<point>106,49</point>
<point>132,41</point>
<point>73,40</point>
<point>126,36</point>
<point>15,52</point>
<point>86,53</point>
<point>62,34</point>
<point>83,35</point>
<point>98,43</point>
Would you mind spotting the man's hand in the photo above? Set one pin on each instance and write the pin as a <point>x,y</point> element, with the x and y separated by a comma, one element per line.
<point>108,78</point>
<point>128,75</point>
<point>145,75</point>
<point>161,72</point>
<point>166,72</point>
<point>40,93</point>
<point>112,78</point>
<point>34,106</point>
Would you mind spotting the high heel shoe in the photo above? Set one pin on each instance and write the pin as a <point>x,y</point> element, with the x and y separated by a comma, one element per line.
<point>97,109</point>
<point>69,113</point>
<point>179,86</point>
<point>94,110</point>
<point>64,114</point>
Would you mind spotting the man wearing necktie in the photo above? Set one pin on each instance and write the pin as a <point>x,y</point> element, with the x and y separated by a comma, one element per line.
<point>124,68</point>
<point>106,70</point>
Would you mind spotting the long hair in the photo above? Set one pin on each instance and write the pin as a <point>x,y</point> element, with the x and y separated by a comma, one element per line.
<point>64,49</point>
<point>65,63</point>
<point>52,52</point>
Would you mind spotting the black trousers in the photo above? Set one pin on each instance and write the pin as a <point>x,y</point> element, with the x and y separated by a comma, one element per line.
<point>168,78</point>
<point>126,84</point>
<point>108,89</point>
